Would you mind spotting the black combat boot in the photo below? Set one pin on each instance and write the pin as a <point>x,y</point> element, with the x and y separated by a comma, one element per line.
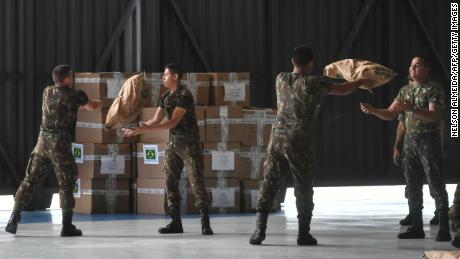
<point>416,230</point>
<point>304,238</point>
<point>68,229</point>
<point>407,221</point>
<point>261,227</point>
<point>175,226</point>
<point>205,225</point>
<point>15,218</point>
<point>444,229</point>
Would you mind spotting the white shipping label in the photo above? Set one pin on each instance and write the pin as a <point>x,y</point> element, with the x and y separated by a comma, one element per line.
<point>151,156</point>
<point>113,87</point>
<point>223,197</point>
<point>223,160</point>
<point>234,91</point>
<point>77,151</point>
<point>113,164</point>
<point>254,198</point>
<point>76,189</point>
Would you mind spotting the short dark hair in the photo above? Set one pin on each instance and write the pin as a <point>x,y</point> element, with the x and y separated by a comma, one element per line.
<point>427,62</point>
<point>175,69</point>
<point>302,55</point>
<point>60,73</point>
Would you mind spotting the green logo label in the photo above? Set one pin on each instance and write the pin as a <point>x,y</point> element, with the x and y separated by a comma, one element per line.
<point>151,154</point>
<point>77,153</point>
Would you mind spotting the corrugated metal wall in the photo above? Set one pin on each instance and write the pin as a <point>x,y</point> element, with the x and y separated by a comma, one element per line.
<point>238,35</point>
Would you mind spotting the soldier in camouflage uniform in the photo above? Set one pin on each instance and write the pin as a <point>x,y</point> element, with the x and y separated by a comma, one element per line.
<point>421,101</point>
<point>397,160</point>
<point>184,148</point>
<point>59,115</point>
<point>289,150</point>
<point>456,217</point>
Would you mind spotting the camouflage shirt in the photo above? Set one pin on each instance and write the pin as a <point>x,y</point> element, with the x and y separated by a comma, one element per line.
<point>420,96</point>
<point>297,98</point>
<point>187,128</point>
<point>59,110</point>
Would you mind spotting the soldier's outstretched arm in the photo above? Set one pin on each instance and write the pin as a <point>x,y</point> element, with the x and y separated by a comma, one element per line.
<point>350,87</point>
<point>176,117</point>
<point>385,114</point>
<point>157,118</point>
<point>92,105</point>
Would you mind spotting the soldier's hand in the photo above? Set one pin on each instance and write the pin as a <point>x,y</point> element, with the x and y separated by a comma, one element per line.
<point>367,108</point>
<point>396,156</point>
<point>143,124</point>
<point>129,132</point>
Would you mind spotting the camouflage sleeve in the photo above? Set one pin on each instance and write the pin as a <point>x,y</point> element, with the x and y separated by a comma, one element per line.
<point>436,96</point>
<point>321,85</point>
<point>184,100</point>
<point>81,97</point>
<point>399,96</point>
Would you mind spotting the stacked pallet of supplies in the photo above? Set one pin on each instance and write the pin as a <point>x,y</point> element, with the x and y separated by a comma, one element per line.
<point>103,157</point>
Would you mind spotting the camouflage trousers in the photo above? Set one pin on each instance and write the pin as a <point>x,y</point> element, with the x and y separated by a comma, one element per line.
<point>55,152</point>
<point>288,154</point>
<point>190,155</point>
<point>423,158</point>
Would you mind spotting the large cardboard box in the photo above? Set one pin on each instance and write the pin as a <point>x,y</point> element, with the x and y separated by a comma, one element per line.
<point>224,195</point>
<point>250,194</point>
<point>90,128</point>
<point>252,160</point>
<point>200,117</point>
<point>101,195</point>
<point>102,160</point>
<point>198,85</point>
<point>230,89</point>
<point>151,197</point>
<point>153,136</point>
<point>150,160</point>
<point>103,86</point>
<point>257,126</point>
<point>221,160</point>
<point>224,124</point>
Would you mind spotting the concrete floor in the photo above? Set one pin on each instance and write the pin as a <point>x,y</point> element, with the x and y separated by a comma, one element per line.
<point>345,226</point>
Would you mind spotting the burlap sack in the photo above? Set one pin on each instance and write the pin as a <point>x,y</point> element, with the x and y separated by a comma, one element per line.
<point>132,97</point>
<point>441,254</point>
<point>354,69</point>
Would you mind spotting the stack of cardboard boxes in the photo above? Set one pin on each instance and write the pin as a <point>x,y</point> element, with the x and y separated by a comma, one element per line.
<point>234,142</point>
<point>103,157</point>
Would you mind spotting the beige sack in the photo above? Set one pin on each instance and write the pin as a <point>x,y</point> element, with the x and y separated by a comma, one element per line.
<point>441,254</point>
<point>132,97</point>
<point>354,69</point>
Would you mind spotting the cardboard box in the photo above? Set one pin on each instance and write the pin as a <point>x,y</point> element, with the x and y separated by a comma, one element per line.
<point>103,86</point>
<point>252,160</point>
<point>153,136</point>
<point>150,160</point>
<point>198,85</point>
<point>102,196</point>
<point>151,197</point>
<point>102,160</point>
<point>221,160</point>
<point>250,195</point>
<point>201,120</point>
<point>90,128</point>
<point>257,126</point>
<point>224,124</point>
<point>224,195</point>
<point>230,89</point>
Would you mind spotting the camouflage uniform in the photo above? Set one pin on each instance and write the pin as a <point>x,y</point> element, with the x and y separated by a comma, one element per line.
<point>289,150</point>
<point>184,149</point>
<point>422,146</point>
<point>59,116</point>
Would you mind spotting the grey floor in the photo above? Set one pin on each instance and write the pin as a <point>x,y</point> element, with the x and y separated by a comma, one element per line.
<point>345,225</point>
